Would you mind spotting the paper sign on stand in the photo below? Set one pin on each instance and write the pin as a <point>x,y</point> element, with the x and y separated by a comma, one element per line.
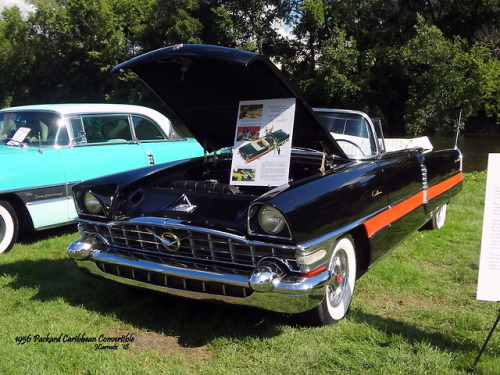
<point>262,142</point>
<point>489,264</point>
<point>19,136</point>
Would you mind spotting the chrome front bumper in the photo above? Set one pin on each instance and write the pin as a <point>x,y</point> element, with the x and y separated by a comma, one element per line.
<point>270,286</point>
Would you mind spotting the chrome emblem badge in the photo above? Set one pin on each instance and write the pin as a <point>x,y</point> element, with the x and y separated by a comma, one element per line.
<point>170,241</point>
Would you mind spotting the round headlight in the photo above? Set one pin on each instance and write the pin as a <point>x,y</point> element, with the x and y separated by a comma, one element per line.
<point>271,220</point>
<point>91,203</point>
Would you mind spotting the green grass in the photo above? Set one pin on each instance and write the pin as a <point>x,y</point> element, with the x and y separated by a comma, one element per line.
<point>415,312</point>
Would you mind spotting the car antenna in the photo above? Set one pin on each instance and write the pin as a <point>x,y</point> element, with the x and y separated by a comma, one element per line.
<point>458,128</point>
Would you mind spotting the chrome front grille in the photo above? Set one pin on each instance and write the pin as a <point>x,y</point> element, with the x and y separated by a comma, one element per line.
<point>175,282</point>
<point>203,248</point>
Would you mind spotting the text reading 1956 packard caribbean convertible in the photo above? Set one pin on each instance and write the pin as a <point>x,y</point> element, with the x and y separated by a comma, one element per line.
<point>186,229</point>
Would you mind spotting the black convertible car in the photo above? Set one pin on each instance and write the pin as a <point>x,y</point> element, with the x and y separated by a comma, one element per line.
<point>182,228</point>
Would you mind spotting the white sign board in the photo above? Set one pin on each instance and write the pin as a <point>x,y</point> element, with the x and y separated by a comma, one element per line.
<point>19,136</point>
<point>488,286</point>
<point>262,142</point>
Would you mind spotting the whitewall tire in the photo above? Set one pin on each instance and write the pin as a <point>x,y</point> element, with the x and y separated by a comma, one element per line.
<point>9,226</point>
<point>339,291</point>
<point>439,217</point>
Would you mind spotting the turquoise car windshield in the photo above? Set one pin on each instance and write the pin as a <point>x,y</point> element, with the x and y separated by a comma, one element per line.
<point>32,129</point>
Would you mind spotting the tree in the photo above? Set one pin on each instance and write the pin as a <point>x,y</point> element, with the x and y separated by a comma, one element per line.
<point>75,43</point>
<point>465,18</point>
<point>16,58</point>
<point>445,77</point>
<point>413,63</point>
<point>338,80</point>
<point>171,22</point>
<point>134,18</point>
<point>312,20</point>
<point>242,24</point>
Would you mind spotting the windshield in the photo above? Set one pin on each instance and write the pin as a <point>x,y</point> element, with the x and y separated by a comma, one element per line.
<point>33,129</point>
<point>351,131</point>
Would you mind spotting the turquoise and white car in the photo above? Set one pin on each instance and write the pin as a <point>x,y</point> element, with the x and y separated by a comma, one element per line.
<point>45,149</point>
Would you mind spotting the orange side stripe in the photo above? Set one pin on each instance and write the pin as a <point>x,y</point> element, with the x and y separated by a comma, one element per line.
<point>440,188</point>
<point>403,208</point>
<point>393,213</point>
<point>377,222</point>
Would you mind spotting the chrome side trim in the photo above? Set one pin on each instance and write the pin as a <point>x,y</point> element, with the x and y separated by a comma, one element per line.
<point>45,201</point>
<point>35,187</point>
<point>425,183</point>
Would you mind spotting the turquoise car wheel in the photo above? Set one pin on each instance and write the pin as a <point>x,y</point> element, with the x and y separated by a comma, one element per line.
<point>8,226</point>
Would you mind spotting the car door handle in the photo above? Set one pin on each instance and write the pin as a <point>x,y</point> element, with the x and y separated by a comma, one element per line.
<point>151,158</point>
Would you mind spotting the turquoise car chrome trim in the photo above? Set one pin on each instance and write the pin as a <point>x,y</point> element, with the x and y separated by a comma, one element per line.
<point>44,193</point>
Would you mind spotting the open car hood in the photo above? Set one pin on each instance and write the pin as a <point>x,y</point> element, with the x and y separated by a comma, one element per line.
<point>204,84</point>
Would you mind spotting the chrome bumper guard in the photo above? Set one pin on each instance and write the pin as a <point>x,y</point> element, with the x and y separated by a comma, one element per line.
<point>270,286</point>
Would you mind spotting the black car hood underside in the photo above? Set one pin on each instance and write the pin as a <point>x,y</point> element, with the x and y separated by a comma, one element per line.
<point>204,84</point>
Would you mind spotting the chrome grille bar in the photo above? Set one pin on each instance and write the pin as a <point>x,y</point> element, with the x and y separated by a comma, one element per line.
<point>175,282</point>
<point>195,245</point>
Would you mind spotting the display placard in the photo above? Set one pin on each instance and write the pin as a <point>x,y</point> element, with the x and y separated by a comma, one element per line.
<point>489,264</point>
<point>19,136</point>
<point>262,142</point>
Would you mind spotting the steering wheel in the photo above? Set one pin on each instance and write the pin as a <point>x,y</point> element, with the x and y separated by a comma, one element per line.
<point>351,143</point>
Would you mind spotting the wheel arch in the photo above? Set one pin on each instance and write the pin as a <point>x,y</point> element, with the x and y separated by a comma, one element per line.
<point>362,249</point>
<point>23,216</point>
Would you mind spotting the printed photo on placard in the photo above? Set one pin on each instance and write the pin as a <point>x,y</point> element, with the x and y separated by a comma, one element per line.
<point>247,133</point>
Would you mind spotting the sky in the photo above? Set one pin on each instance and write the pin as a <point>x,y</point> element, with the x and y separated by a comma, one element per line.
<point>21,4</point>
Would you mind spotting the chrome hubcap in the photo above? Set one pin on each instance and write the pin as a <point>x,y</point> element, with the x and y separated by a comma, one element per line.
<point>339,278</point>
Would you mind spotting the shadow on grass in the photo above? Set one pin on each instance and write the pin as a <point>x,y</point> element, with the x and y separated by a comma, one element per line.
<point>195,323</point>
<point>30,237</point>
<point>411,333</point>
